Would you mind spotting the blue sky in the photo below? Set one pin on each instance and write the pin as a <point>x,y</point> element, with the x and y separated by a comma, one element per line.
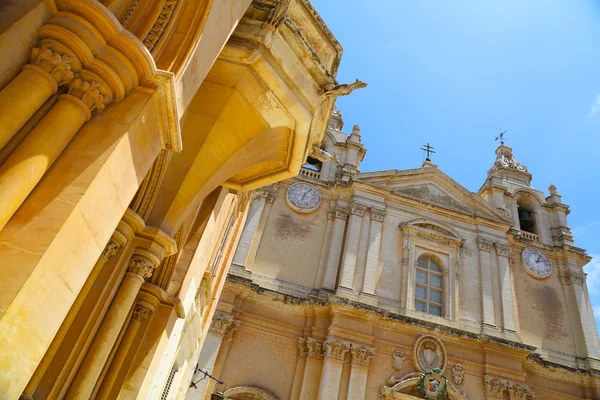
<point>453,72</point>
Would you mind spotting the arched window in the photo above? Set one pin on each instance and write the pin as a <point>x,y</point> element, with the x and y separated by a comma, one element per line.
<point>428,286</point>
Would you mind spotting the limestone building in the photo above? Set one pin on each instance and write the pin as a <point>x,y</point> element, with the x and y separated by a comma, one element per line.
<point>130,133</point>
<point>402,284</point>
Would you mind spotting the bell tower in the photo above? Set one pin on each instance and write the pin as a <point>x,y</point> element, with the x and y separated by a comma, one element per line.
<point>536,218</point>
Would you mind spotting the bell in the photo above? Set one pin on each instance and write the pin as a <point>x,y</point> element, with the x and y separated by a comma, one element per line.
<point>525,219</point>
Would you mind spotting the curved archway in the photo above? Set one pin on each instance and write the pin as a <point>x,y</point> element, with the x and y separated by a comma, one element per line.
<point>248,393</point>
<point>409,385</point>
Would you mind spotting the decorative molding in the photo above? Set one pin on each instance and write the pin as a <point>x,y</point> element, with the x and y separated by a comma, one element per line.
<point>141,266</point>
<point>140,313</point>
<point>357,209</point>
<point>562,233</point>
<point>505,159</point>
<point>129,13</point>
<point>377,214</point>
<point>398,357</point>
<point>458,374</point>
<point>498,388</point>
<point>314,349</point>
<point>362,355</point>
<point>58,66</point>
<point>161,24</point>
<point>336,349</point>
<point>569,277</point>
<point>484,245</point>
<point>502,249</point>
<point>429,353</point>
<point>89,88</point>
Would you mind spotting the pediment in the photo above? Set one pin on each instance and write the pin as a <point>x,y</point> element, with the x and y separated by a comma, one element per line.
<point>432,186</point>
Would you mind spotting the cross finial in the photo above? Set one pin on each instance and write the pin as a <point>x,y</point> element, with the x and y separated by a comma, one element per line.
<point>429,150</point>
<point>501,136</point>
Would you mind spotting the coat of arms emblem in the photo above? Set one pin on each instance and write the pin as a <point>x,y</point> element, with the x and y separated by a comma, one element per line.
<point>433,384</point>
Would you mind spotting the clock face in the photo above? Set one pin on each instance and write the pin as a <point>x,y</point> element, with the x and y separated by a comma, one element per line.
<point>536,263</point>
<point>303,197</point>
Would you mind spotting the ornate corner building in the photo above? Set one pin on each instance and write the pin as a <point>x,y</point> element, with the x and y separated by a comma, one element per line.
<point>131,133</point>
<point>402,284</point>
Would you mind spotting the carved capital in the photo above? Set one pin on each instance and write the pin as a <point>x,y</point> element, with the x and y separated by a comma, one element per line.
<point>336,349</point>
<point>377,214</point>
<point>270,192</point>
<point>484,245</point>
<point>331,213</point>
<point>140,313</point>
<point>91,91</point>
<point>141,266</point>
<point>502,249</point>
<point>58,66</point>
<point>340,213</point>
<point>569,278</point>
<point>357,209</point>
<point>302,349</point>
<point>362,355</point>
<point>224,324</point>
<point>314,349</point>
<point>111,249</point>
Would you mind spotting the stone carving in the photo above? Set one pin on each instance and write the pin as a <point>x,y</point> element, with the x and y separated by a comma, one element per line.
<point>433,384</point>
<point>552,189</point>
<point>484,245</point>
<point>314,349</point>
<point>111,249</point>
<point>362,355</point>
<point>270,192</point>
<point>161,24</point>
<point>57,65</point>
<point>336,90</point>
<point>458,374</point>
<point>202,297</point>
<point>398,359</point>
<point>568,278</point>
<point>224,324</point>
<point>331,213</point>
<point>130,12</point>
<point>141,266</point>
<point>278,14</point>
<point>91,93</point>
<point>432,195</point>
<point>302,349</point>
<point>140,313</point>
<point>336,349</point>
<point>505,159</point>
<point>499,388</point>
<point>429,353</point>
<point>357,209</point>
<point>340,213</point>
<point>562,233</point>
<point>502,250</point>
<point>377,214</point>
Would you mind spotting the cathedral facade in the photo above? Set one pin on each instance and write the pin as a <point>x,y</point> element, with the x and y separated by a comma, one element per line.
<point>402,284</point>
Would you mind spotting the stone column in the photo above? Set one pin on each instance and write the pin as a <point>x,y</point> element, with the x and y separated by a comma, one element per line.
<point>254,215</point>
<point>141,266</point>
<point>141,311</point>
<point>370,281</point>
<point>351,246</point>
<point>487,296</point>
<point>223,327</point>
<point>335,352</point>
<point>26,93</point>
<point>26,166</point>
<point>299,371</point>
<point>325,249</point>
<point>506,288</point>
<point>361,359</point>
<point>335,248</point>
<point>269,193</point>
<point>111,249</point>
<point>576,280</point>
<point>312,369</point>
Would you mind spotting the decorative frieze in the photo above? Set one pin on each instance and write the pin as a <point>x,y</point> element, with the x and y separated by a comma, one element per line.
<point>357,209</point>
<point>484,245</point>
<point>58,66</point>
<point>500,388</point>
<point>336,349</point>
<point>569,277</point>
<point>129,13</point>
<point>361,355</point>
<point>161,24</point>
<point>502,249</point>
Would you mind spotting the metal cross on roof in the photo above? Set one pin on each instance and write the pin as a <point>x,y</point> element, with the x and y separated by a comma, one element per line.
<point>501,136</point>
<point>429,150</point>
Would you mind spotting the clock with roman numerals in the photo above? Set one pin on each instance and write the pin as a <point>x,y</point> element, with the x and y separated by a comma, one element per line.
<point>536,263</point>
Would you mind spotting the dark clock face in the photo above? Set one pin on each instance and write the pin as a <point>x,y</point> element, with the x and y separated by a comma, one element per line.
<point>303,197</point>
<point>536,263</point>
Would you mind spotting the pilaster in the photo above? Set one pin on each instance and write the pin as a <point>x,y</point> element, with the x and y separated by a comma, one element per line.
<point>509,311</point>
<point>377,217</point>
<point>484,246</point>
<point>335,352</point>
<point>335,248</point>
<point>361,360</point>
<point>351,246</point>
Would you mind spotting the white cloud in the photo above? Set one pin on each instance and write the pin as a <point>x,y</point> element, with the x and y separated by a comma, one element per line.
<point>595,109</point>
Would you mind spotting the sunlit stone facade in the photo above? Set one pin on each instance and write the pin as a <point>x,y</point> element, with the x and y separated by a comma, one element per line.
<point>387,284</point>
